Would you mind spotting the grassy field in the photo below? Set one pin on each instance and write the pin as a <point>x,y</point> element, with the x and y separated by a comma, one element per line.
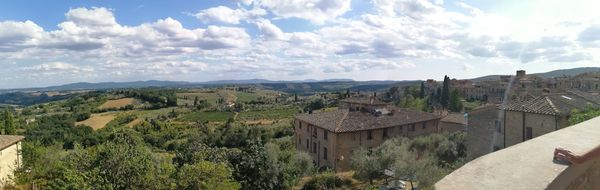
<point>207,116</point>
<point>276,113</point>
<point>246,97</point>
<point>119,103</point>
<point>188,97</point>
<point>98,121</point>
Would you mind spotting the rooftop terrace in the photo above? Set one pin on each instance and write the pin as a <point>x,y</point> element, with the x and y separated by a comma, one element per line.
<point>529,165</point>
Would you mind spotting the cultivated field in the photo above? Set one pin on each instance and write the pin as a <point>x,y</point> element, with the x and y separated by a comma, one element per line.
<point>207,116</point>
<point>119,103</point>
<point>98,121</point>
<point>134,122</point>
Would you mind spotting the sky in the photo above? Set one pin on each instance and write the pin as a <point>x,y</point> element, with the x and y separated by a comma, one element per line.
<point>45,43</point>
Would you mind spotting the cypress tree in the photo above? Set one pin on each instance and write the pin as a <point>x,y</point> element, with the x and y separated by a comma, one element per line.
<point>422,92</point>
<point>9,124</point>
<point>445,92</point>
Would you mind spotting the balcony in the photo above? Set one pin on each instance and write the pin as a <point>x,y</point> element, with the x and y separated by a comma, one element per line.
<point>529,165</point>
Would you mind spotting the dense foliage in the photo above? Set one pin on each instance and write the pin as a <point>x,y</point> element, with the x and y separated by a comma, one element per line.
<point>423,159</point>
<point>163,151</point>
<point>158,98</point>
<point>581,116</point>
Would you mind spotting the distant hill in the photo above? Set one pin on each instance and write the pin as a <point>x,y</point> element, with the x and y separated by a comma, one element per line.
<point>550,74</point>
<point>568,72</point>
<point>308,86</point>
<point>37,95</point>
<point>110,85</point>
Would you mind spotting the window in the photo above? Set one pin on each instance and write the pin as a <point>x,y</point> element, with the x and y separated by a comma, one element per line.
<point>306,144</point>
<point>529,133</point>
<point>324,153</point>
<point>324,134</point>
<point>402,129</point>
<point>423,125</point>
<point>299,124</point>
<point>314,147</point>
<point>412,127</point>
<point>369,135</point>
<point>314,132</point>
<point>385,133</point>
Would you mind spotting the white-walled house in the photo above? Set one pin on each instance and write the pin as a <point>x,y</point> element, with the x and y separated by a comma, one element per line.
<point>10,155</point>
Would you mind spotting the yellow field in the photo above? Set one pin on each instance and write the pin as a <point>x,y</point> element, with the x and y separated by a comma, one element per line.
<point>134,122</point>
<point>119,103</point>
<point>98,120</point>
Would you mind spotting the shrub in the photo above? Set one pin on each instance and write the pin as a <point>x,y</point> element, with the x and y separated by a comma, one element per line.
<point>326,180</point>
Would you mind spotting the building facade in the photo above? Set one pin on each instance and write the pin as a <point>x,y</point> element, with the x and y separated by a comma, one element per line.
<point>331,137</point>
<point>10,155</point>
<point>524,120</point>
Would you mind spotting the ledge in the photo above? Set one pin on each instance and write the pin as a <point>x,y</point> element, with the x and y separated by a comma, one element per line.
<point>529,165</point>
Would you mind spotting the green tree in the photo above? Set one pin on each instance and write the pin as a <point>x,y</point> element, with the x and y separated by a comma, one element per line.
<point>445,92</point>
<point>315,105</point>
<point>366,164</point>
<point>455,104</point>
<point>9,123</point>
<point>581,116</point>
<point>422,90</point>
<point>206,175</point>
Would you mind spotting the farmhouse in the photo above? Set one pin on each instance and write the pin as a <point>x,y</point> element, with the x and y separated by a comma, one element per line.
<point>330,137</point>
<point>10,155</point>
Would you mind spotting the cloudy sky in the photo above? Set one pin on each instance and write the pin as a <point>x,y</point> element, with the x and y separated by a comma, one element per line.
<point>56,42</point>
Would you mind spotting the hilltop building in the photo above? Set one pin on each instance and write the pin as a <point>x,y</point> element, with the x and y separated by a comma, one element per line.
<point>331,137</point>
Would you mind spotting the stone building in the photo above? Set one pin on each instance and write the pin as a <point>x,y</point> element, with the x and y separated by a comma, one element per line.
<point>524,120</point>
<point>452,122</point>
<point>331,137</point>
<point>10,155</point>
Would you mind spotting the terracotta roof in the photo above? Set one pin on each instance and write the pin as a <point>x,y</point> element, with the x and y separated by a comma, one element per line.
<point>454,118</point>
<point>540,105</point>
<point>7,140</point>
<point>364,100</point>
<point>556,104</point>
<point>343,120</point>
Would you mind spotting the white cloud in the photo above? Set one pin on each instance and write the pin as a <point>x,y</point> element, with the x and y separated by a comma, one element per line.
<point>316,11</point>
<point>393,34</point>
<point>56,68</point>
<point>269,30</point>
<point>16,35</point>
<point>91,17</point>
<point>223,14</point>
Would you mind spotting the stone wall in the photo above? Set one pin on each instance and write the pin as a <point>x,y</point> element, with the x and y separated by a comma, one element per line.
<point>529,165</point>
<point>516,124</point>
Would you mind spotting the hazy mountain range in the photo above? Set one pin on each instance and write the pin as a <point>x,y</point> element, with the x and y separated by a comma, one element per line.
<point>345,83</point>
<point>550,74</point>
